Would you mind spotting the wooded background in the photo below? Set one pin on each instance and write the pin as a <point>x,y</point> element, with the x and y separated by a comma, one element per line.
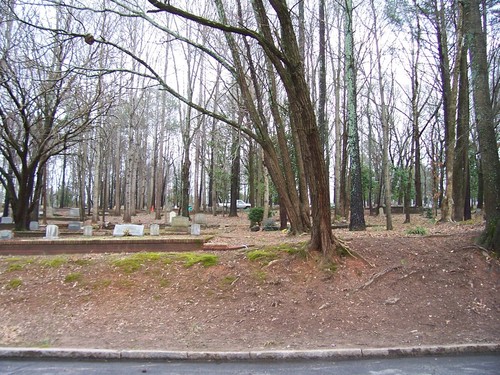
<point>307,105</point>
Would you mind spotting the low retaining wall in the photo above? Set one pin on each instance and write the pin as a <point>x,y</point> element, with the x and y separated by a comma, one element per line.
<point>88,246</point>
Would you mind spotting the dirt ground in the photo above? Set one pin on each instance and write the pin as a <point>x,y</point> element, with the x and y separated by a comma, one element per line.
<point>401,290</point>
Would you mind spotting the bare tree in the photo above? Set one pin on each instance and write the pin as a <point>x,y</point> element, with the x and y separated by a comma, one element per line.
<point>45,108</point>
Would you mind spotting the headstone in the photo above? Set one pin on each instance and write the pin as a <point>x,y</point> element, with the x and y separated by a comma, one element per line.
<point>180,223</point>
<point>51,232</point>
<point>34,225</point>
<point>74,212</point>
<point>50,212</point>
<point>74,225</point>
<point>128,230</point>
<point>200,219</point>
<point>171,216</point>
<point>381,211</point>
<point>154,229</point>
<point>6,235</point>
<point>195,229</point>
<point>6,220</point>
<point>87,230</point>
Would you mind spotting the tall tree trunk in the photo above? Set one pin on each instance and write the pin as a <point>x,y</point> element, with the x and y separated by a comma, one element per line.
<point>322,117</point>
<point>415,94</point>
<point>97,184</point>
<point>385,127</point>
<point>476,41</point>
<point>449,87</point>
<point>235,172</point>
<point>63,182</point>
<point>357,219</point>
<point>460,168</point>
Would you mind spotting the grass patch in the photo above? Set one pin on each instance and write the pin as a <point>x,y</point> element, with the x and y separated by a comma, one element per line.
<point>270,253</point>
<point>54,262</point>
<point>264,255</point>
<point>14,283</point>
<point>73,277</point>
<point>418,230</point>
<point>190,259</point>
<point>134,262</point>
<point>17,263</point>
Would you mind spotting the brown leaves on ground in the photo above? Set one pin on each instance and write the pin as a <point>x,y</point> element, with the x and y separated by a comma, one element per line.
<point>403,289</point>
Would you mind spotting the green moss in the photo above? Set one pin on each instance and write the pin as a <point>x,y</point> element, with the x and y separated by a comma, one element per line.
<point>73,277</point>
<point>190,259</point>
<point>134,262</point>
<point>264,255</point>
<point>14,284</point>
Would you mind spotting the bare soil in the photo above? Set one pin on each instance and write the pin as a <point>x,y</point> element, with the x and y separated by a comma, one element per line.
<point>400,290</point>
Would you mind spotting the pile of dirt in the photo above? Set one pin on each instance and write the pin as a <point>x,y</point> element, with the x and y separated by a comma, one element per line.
<point>402,289</point>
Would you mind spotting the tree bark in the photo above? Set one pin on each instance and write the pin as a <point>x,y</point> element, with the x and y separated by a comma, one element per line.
<point>461,165</point>
<point>357,219</point>
<point>476,41</point>
<point>385,127</point>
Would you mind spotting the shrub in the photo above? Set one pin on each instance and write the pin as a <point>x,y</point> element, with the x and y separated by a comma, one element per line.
<point>256,215</point>
<point>417,230</point>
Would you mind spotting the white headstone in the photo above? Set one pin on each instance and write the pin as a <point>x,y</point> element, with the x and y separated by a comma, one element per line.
<point>6,234</point>
<point>195,229</point>
<point>171,216</point>
<point>154,229</point>
<point>34,225</point>
<point>129,230</point>
<point>74,212</point>
<point>51,232</point>
<point>87,230</point>
<point>6,220</point>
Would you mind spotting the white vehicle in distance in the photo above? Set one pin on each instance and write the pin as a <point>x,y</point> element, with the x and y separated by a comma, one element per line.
<point>240,204</point>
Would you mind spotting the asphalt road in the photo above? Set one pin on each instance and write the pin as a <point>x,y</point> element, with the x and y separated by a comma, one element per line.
<point>486,364</point>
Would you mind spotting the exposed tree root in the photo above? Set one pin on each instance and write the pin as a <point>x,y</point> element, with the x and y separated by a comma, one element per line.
<point>343,248</point>
<point>377,276</point>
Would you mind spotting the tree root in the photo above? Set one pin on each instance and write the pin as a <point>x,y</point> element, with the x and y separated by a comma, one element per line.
<point>343,248</point>
<point>377,276</point>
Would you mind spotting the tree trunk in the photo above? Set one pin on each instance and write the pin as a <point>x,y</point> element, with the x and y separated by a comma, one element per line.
<point>449,88</point>
<point>235,173</point>
<point>476,41</point>
<point>357,219</point>
<point>460,168</point>
<point>385,128</point>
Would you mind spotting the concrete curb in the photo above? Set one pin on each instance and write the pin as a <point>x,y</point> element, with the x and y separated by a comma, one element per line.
<point>160,355</point>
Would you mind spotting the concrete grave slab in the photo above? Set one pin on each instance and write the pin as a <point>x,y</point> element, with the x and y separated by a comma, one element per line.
<point>129,230</point>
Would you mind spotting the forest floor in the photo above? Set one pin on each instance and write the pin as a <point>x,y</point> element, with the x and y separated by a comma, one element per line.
<point>401,290</point>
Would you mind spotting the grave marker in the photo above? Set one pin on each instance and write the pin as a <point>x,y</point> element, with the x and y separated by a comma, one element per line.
<point>129,230</point>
